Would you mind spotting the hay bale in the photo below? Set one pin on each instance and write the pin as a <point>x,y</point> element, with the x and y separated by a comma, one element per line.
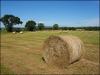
<point>13,32</point>
<point>62,50</point>
<point>21,32</point>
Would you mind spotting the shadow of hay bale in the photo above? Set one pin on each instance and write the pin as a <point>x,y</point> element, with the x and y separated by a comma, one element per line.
<point>62,50</point>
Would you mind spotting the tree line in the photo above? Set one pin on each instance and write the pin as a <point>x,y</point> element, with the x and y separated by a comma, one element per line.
<point>10,20</point>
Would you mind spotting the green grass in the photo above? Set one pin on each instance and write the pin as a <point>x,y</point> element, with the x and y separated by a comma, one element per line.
<point>21,53</point>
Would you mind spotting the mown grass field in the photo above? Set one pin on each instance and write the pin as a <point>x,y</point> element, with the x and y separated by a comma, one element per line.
<point>22,53</point>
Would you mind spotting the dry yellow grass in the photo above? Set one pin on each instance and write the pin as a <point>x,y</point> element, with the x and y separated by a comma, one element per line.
<point>21,53</point>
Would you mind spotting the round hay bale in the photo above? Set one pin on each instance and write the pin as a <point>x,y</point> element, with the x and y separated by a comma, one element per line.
<point>13,32</point>
<point>21,32</point>
<point>62,50</point>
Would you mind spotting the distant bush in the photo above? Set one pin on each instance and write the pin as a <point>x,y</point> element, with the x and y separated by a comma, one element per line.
<point>41,26</point>
<point>30,25</point>
<point>95,28</point>
<point>9,21</point>
<point>92,28</point>
<point>55,27</point>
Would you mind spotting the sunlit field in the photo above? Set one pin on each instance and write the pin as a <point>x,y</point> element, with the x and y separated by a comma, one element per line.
<point>22,53</point>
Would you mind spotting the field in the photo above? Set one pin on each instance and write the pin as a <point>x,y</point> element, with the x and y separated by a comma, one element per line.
<point>22,53</point>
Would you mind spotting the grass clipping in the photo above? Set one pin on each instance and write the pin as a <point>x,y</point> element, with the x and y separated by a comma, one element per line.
<point>62,50</point>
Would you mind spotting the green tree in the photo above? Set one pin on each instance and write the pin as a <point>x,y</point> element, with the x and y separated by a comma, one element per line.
<point>9,21</point>
<point>55,26</point>
<point>41,26</point>
<point>30,25</point>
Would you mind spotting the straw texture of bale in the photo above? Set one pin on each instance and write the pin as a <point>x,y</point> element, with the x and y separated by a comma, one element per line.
<point>62,50</point>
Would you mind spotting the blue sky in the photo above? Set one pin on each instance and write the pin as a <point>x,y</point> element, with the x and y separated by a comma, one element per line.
<point>64,13</point>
